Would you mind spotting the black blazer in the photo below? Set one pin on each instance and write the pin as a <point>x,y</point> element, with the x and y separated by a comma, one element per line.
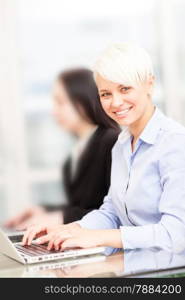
<point>86,190</point>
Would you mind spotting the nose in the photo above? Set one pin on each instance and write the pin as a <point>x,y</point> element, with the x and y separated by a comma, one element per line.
<point>117,100</point>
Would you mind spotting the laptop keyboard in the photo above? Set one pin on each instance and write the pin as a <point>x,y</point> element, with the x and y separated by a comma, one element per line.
<point>15,238</point>
<point>34,250</point>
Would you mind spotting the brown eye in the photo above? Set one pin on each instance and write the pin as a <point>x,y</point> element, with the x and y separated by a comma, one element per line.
<point>105,95</point>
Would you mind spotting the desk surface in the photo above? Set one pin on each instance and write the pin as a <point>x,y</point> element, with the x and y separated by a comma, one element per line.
<point>139,263</point>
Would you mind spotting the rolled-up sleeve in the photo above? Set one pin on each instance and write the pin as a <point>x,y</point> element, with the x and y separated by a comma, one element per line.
<point>169,232</point>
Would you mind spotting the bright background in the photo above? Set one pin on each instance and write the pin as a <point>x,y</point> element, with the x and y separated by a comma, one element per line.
<point>40,37</point>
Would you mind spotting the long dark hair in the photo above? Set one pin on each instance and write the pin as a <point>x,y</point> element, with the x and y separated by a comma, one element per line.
<point>83,93</point>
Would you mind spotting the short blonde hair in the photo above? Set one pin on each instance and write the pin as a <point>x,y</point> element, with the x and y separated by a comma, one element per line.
<point>124,63</point>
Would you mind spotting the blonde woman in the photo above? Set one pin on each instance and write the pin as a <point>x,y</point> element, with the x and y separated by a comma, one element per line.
<point>145,205</point>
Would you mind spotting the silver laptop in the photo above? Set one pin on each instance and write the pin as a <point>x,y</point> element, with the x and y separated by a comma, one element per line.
<point>38,253</point>
<point>12,232</point>
<point>65,263</point>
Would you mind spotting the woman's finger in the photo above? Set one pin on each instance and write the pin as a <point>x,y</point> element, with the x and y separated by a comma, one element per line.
<point>62,236</point>
<point>32,235</point>
<point>52,240</point>
<point>44,239</point>
<point>36,229</point>
<point>25,237</point>
<point>70,243</point>
<point>57,243</point>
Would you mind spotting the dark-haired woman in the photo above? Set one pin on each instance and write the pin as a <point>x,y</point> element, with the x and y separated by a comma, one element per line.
<point>86,173</point>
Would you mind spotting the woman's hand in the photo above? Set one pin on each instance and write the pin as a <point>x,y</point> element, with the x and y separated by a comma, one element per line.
<point>35,215</point>
<point>21,220</point>
<point>72,236</point>
<point>45,230</point>
<point>87,238</point>
<point>49,218</point>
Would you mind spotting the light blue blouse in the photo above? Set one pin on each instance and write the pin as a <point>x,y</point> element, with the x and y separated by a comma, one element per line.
<point>146,199</point>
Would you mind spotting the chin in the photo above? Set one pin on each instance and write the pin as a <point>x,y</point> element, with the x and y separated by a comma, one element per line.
<point>123,121</point>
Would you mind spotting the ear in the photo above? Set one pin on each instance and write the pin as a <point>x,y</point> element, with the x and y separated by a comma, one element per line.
<point>151,81</point>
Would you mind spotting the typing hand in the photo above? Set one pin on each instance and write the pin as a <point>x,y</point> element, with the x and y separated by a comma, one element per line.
<point>45,232</point>
<point>70,237</point>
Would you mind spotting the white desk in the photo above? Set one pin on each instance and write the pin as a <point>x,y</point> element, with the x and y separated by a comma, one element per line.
<point>103,267</point>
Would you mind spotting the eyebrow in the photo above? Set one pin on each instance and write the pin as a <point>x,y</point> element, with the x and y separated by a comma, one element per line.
<point>103,90</point>
<point>121,85</point>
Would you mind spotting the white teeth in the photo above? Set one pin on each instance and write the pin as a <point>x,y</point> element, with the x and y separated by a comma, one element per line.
<point>123,111</point>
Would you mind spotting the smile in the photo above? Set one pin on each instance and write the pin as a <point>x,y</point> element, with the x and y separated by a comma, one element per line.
<point>123,112</point>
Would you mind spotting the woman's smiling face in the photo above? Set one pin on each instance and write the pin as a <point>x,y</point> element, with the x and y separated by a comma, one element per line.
<point>124,104</point>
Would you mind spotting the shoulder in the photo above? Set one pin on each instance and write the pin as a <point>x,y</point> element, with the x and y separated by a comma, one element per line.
<point>173,127</point>
<point>171,146</point>
<point>173,133</point>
